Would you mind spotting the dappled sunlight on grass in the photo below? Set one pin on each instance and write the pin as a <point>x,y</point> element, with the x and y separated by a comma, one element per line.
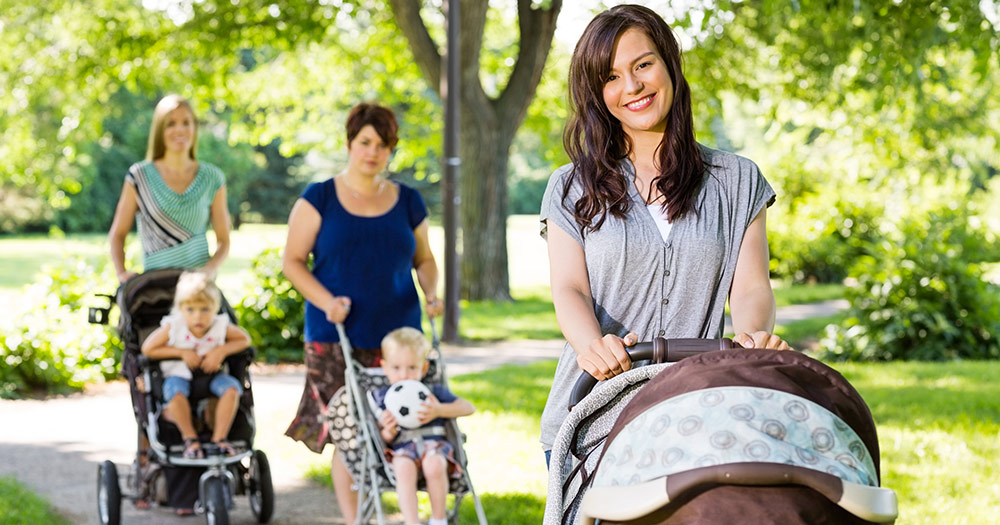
<point>509,390</point>
<point>939,434</point>
<point>530,316</point>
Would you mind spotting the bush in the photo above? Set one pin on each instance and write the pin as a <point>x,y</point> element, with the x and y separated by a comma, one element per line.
<point>46,342</point>
<point>273,311</point>
<point>821,238</point>
<point>920,294</point>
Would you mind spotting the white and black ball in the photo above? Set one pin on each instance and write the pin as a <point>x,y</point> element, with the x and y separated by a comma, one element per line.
<point>404,399</point>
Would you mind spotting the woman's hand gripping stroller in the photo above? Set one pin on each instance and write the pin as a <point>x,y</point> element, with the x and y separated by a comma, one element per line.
<point>606,357</point>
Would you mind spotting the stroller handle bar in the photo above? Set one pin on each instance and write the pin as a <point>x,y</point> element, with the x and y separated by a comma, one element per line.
<point>658,350</point>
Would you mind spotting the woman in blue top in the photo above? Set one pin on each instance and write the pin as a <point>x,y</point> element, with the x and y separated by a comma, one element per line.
<point>366,235</point>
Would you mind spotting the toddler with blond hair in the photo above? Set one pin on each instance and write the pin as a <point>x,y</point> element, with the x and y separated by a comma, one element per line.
<point>422,450</point>
<point>195,337</point>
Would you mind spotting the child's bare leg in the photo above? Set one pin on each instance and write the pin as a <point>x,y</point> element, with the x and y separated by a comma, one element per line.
<point>347,497</point>
<point>225,412</point>
<point>178,411</point>
<point>436,478</point>
<point>406,487</point>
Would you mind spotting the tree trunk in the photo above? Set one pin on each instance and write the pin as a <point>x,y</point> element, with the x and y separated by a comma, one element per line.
<point>487,129</point>
<point>485,146</point>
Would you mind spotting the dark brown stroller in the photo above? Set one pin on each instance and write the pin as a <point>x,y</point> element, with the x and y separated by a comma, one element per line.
<point>727,436</point>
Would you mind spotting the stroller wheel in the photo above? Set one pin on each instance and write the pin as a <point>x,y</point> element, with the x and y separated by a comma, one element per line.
<point>261,490</point>
<point>109,494</point>
<point>216,493</point>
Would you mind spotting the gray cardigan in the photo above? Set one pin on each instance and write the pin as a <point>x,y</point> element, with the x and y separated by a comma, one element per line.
<point>643,284</point>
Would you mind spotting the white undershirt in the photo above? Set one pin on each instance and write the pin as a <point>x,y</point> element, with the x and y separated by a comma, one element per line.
<point>660,218</point>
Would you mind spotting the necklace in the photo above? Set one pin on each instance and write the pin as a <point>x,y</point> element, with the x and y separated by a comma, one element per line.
<point>381,184</point>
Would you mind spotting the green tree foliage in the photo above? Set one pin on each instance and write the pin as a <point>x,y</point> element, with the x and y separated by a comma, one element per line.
<point>848,106</point>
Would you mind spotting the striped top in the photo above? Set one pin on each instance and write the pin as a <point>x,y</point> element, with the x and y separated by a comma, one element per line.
<point>172,225</point>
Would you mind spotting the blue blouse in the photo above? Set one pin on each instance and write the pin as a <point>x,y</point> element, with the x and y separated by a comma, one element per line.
<point>370,260</point>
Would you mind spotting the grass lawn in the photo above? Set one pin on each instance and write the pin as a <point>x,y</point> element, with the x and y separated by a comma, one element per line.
<point>938,426</point>
<point>20,506</point>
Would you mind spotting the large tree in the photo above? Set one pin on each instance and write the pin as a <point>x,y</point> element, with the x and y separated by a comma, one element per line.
<point>488,126</point>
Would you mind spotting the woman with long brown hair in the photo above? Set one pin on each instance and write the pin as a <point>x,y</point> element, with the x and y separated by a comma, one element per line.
<point>649,232</point>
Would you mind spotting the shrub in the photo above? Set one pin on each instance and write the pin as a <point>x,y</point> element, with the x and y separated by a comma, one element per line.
<point>821,238</point>
<point>46,342</point>
<point>920,294</point>
<point>272,310</point>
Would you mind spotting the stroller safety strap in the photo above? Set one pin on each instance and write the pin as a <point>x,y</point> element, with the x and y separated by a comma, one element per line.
<point>418,433</point>
<point>873,504</point>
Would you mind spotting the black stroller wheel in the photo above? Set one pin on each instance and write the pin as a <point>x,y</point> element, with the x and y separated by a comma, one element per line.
<point>216,510</point>
<point>261,490</point>
<point>109,495</point>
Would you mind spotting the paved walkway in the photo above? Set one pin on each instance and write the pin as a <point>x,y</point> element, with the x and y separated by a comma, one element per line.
<point>55,445</point>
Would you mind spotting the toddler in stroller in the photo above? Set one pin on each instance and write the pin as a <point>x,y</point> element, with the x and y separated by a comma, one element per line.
<point>422,450</point>
<point>727,436</point>
<point>192,474</point>
<point>383,457</point>
<point>194,337</point>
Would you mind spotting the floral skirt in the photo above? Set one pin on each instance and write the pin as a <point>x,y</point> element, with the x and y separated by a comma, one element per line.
<point>324,376</point>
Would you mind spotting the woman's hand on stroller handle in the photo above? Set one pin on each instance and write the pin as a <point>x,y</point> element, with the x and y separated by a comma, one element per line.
<point>607,356</point>
<point>659,350</point>
<point>434,307</point>
<point>761,339</point>
<point>337,309</point>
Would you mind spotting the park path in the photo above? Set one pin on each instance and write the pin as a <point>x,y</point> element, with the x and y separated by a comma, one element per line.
<point>55,445</point>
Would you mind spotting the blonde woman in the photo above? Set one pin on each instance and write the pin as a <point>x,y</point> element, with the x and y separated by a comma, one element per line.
<point>174,196</point>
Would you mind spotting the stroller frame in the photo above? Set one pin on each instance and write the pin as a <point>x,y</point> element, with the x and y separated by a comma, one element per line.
<point>374,470</point>
<point>248,471</point>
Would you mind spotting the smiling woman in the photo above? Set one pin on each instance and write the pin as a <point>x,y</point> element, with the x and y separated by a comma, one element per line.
<point>174,197</point>
<point>649,233</point>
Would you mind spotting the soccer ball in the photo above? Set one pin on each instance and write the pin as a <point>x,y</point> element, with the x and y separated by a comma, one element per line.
<point>403,400</point>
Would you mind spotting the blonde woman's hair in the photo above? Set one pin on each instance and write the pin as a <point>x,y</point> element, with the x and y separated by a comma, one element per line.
<point>406,338</point>
<point>196,287</point>
<point>156,147</point>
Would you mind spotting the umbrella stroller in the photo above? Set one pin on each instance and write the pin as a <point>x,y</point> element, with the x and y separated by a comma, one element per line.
<point>729,436</point>
<point>143,300</point>
<point>351,414</point>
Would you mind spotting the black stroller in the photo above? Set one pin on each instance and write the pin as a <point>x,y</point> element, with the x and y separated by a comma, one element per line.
<point>143,300</point>
<point>364,451</point>
<point>725,435</point>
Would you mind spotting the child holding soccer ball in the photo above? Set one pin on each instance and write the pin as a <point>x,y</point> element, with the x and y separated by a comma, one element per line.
<point>424,449</point>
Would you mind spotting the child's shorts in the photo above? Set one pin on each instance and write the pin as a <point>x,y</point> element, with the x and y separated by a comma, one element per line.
<point>174,385</point>
<point>431,446</point>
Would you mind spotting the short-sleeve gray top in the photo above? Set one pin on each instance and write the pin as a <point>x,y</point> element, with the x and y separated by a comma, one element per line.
<point>643,284</point>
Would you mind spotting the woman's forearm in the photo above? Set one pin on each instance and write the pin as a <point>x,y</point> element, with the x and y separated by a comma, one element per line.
<point>753,311</point>
<point>306,283</point>
<point>427,278</point>
<point>575,315</point>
